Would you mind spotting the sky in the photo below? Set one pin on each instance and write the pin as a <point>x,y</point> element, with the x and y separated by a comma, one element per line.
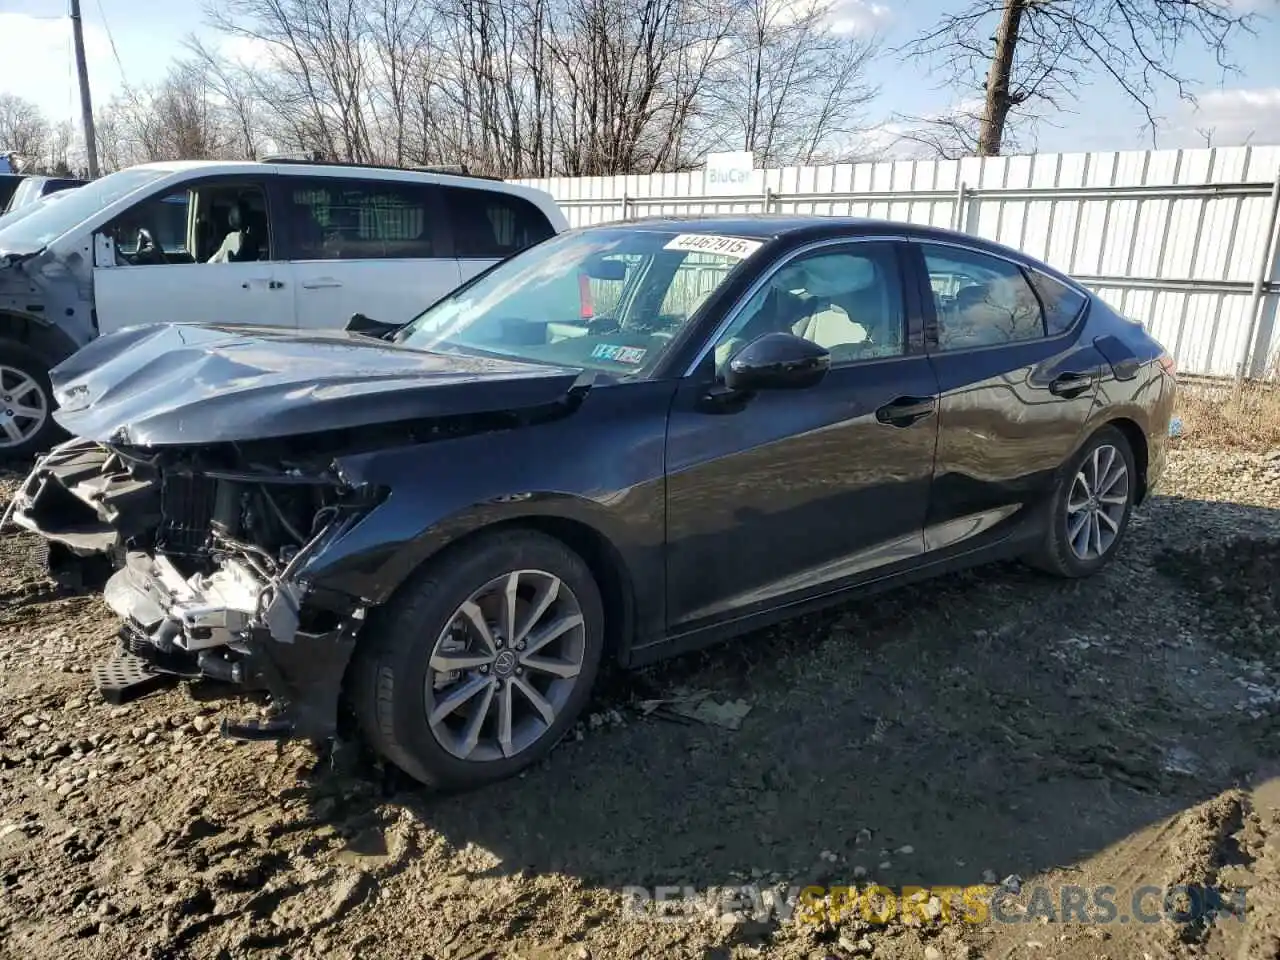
<point>133,41</point>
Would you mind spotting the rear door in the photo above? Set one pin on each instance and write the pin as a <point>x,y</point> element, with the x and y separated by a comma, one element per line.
<point>1016,387</point>
<point>362,245</point>
<point>489,225</point>
<point>178,285</point>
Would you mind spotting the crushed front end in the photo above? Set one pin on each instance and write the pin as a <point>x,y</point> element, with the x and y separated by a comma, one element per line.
<point>204,552</point>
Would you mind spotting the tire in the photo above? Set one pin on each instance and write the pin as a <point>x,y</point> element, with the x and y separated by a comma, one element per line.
<point>1057,553</point>
<point>24,376</point>
<point>400,650</point>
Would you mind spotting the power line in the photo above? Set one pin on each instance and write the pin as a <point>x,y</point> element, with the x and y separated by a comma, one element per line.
<point>112,40</point>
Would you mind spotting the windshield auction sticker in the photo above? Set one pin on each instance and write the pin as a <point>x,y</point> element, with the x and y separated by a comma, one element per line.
<point>736,247</point>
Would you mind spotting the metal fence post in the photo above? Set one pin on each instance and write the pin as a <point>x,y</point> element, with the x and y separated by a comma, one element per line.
<point>626,203</point>
<point>1257,298</point>
<point>958,218</point>
<point>768,197</point>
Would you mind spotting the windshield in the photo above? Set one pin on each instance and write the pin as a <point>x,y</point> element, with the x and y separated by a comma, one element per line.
<point>51,220</point>
<point>605,299</point>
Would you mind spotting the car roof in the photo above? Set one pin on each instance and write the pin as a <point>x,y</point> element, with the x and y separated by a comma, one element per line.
<point>540,198</point>
<point>799,227</point>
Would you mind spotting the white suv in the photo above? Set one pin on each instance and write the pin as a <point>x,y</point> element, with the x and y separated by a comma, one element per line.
<point>277,243</point>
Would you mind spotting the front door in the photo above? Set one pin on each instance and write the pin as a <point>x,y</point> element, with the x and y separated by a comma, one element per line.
<point>158,262</point>
<point>795,493</point>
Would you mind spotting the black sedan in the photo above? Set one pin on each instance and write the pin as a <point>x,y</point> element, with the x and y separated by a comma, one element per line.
<point>625,442</point>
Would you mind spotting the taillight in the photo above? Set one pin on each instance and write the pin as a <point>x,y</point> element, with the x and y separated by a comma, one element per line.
<point>1168,365</point>
<point>588,310</point>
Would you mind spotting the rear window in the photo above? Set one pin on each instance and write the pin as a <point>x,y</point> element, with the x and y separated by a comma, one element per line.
<point>335,219</point>
<point>492,226</point>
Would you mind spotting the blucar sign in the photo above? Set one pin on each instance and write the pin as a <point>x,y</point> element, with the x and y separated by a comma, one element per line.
<point>732,173</point>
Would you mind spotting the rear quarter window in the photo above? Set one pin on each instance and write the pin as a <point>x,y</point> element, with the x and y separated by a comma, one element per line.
<point>1062,305</point>
<point>490,225</point>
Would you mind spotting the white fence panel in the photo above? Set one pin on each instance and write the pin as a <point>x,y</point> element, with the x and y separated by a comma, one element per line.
<point>1182,240</point>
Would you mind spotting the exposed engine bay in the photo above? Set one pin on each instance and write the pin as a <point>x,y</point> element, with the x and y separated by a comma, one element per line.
<point>202,551</point>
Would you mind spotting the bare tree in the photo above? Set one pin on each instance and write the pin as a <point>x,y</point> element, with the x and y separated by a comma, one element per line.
<point>318,63</point>
<point>24,131</point>
<point>789,83</point>
<point>1020,53</point>
<point>232,84</point>
<point>956,133</point>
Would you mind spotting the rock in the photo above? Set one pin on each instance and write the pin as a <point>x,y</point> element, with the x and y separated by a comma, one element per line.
<point>30,720</point>
<point>584,953</point>
<point>1012,883</point>
<point>933,908</point>
<point>202,725</point>
<point>886,864</point>
<point>859,872</point>
<point>989,877</point>
<point>150,738</point>
<point>861,947</point>
<point>862,837</point>
<point>932,953</point>
<point>906,850</point>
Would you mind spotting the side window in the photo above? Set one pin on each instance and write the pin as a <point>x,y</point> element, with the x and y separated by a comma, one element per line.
<point>488,225</point>
<point>848,302</point>
<point>231,222</point>
<point>1062,305</point>
<point>981,301</point>
<point>333,219</point>
<point>153,231</point>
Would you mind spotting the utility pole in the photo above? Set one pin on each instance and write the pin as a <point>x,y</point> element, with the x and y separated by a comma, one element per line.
<point>86,104</point>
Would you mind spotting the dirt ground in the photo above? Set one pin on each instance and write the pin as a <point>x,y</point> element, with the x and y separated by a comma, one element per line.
<point>995,727</point>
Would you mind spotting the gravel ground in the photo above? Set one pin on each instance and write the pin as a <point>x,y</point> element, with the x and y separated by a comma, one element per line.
<point>995,727</point>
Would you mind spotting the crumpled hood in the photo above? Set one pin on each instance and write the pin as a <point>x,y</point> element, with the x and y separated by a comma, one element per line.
<point>204,383</point>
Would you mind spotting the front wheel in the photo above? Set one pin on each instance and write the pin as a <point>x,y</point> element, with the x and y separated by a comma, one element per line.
<point>27,426</point>
<point>480,665</point>
<point>1089,512</point>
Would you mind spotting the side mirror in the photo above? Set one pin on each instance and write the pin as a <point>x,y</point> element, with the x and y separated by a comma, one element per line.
<point>777,361</point>
<point>359,323</point>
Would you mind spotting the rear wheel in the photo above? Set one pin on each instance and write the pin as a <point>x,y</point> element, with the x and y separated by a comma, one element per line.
<point>26,402</point>
<point>481,664</point>
<point>1090,509</point>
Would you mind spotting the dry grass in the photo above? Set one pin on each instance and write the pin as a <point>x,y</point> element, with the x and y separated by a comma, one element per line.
<point>1243,416</point>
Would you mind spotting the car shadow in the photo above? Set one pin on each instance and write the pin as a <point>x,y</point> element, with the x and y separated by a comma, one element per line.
<point>991,722</point>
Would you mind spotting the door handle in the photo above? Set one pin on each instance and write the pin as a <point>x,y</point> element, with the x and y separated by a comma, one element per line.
<point>248,283</point>
<point>321,283</point>
<point>1070,385</point>
<point>904,411</point>
<point>275,285</point>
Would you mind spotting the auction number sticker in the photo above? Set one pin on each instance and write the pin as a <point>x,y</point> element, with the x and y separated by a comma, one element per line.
<point>737,247</point>
<point>618,354</point>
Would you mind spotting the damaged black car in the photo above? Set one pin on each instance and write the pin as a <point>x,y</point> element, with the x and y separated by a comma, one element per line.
<point>625,442</point>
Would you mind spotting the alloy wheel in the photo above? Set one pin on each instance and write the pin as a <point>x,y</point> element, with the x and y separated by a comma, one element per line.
<point>23,407</point>
<point>505,665</point>
<point>1097,502</point>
